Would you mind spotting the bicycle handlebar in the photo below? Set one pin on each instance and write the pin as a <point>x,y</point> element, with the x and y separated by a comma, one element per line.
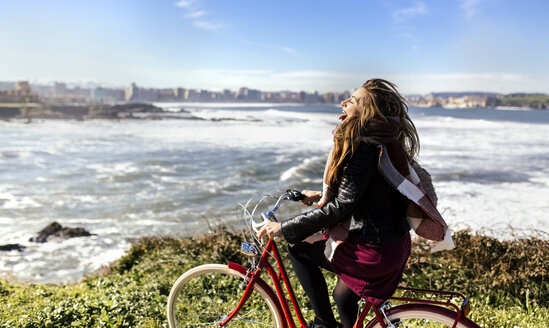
<point>268,216</point>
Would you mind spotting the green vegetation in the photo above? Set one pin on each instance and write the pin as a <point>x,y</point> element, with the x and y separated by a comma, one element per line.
<point>507,282</point>
<point>530,100</point>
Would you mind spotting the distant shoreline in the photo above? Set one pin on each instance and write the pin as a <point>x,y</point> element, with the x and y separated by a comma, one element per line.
<point>479,107</point>
<point>139,111</point>
<point>131,111</point>
<point>27,111</point>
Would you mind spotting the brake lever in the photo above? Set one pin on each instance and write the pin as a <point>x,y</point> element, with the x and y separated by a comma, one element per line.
<point>295,195</point>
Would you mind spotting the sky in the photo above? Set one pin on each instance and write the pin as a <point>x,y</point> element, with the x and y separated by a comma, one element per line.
<point>423,46</point>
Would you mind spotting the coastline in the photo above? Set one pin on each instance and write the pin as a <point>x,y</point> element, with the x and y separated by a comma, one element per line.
<point>161,110</point>
<point>129,111</point>
<point>77,112</point>
<point>525,108</point>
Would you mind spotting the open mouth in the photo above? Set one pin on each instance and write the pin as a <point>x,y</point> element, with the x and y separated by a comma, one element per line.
<point>343,116</point>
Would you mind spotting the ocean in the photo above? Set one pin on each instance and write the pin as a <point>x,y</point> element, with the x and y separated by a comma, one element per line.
<point>122,180</point>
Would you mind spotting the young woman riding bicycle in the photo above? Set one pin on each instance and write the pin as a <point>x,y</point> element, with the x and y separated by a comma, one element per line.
<point>365,239</point>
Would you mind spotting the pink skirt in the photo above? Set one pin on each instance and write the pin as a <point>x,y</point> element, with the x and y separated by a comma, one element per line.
<point>372,272</point>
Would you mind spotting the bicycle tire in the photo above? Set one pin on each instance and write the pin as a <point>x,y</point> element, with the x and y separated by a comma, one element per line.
<point>204,295</point>
<point>423,315</point>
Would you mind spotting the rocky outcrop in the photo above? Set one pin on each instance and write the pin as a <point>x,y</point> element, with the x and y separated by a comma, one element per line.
<point>136,108</point>
<point>76,112</point>
<point>121,111</point>
<point>9,112</point>
<point>12,247</point>
<point>54,231</point>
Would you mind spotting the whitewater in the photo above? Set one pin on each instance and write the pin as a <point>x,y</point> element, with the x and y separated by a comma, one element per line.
<point>122,180</point>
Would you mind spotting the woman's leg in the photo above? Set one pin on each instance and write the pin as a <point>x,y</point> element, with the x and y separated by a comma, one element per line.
<point>306,259</point>
<point>347,303</point>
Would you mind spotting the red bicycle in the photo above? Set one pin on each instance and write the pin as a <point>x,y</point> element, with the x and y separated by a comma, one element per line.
<point>219,295</point>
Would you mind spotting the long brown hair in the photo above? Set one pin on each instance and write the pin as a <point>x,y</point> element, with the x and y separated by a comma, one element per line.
<point>381,100</point>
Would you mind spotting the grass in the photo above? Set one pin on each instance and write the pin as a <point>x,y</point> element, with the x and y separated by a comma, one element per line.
<point>540,101</point>
<point>506,280</point>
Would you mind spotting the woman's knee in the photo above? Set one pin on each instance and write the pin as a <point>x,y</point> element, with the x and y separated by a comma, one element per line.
<point>343,295</point>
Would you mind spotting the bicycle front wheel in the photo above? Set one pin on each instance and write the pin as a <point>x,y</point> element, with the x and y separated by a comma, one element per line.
<point>413,315</point>
<point>205,295</point>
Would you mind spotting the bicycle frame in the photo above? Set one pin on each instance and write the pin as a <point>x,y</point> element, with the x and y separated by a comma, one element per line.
<point>271,249</point>
<point>254,277</point>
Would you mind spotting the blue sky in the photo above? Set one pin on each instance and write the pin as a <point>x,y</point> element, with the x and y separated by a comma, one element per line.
<point>423,46</point>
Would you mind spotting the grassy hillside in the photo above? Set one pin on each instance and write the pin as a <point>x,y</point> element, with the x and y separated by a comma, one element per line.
<point>531,100</point>
<point>507,282</point>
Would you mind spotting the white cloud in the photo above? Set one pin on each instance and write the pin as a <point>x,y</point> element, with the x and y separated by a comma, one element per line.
<point>234,71</point>
<point>418,9</point>
<point>289,50</point>
<point>195,14</point>
<point>206,25</point>
<point>470,7</point>
<point>269,80</point>
<point>313,74</point>
<point>401,19</point>
<point>469,76</point>
<point>185,3</point>
<point>268,46</point>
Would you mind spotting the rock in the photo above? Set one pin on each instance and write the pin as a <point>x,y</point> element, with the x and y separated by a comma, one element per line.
<point>136,108</point>
<point>9,112</point>
<point>55,230</point>
<point>12,247</point>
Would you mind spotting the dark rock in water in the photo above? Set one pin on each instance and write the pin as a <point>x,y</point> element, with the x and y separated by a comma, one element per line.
<point>12,247</point>
<point>56,231</point>
<point>9,112</point>
<point>136,108</point>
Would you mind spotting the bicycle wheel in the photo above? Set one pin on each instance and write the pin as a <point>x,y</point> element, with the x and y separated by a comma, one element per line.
<point>204,295</point>
<point>423,316</point>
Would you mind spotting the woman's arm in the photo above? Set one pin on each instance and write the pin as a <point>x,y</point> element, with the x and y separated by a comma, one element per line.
<point>355,177</point>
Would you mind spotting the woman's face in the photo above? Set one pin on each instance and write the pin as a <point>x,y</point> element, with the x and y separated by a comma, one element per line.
<point>351,107</point>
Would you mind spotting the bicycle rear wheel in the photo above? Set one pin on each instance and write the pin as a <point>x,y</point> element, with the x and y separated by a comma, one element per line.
<point>424,316</point>
<point>205,295</point>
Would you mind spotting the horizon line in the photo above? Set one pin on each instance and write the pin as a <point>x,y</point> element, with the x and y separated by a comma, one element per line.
<point>82,84</point>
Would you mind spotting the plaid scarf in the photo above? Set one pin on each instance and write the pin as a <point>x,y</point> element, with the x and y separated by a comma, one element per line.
<point>394,166</point>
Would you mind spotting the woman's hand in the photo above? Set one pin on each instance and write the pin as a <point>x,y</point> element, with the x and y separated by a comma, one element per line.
<point>311,196</point>
<point>272,229</point>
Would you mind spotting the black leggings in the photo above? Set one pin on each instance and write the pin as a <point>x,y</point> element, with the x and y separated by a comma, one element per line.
<point>307,259</point>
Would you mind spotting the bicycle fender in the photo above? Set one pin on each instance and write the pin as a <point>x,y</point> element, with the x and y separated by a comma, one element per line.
<point>433,308</point>
<point>263,285</point>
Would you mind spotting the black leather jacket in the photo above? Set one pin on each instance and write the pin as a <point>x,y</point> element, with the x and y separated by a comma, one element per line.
<point>377,209</point>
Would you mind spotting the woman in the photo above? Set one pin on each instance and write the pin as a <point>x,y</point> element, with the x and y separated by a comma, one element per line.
<point>366,240</point>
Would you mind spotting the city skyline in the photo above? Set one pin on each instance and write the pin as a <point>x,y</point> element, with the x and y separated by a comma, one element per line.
<point>422,46</point>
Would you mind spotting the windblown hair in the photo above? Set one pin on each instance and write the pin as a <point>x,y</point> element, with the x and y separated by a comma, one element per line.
<point>382,100</point>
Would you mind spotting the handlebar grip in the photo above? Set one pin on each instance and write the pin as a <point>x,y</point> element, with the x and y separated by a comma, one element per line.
<point>295,195</point>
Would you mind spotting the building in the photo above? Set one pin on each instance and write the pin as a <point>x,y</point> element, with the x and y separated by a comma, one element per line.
<point>21,93</point>
<point>205,95</point>
<point>329,98</point>
<point>192,95</point>
<point>254,95</point>
<point>245,94</point>
<point>228,95</point>
<point>179,94</point>
<point>59,89</point>
<point>132,93</point>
